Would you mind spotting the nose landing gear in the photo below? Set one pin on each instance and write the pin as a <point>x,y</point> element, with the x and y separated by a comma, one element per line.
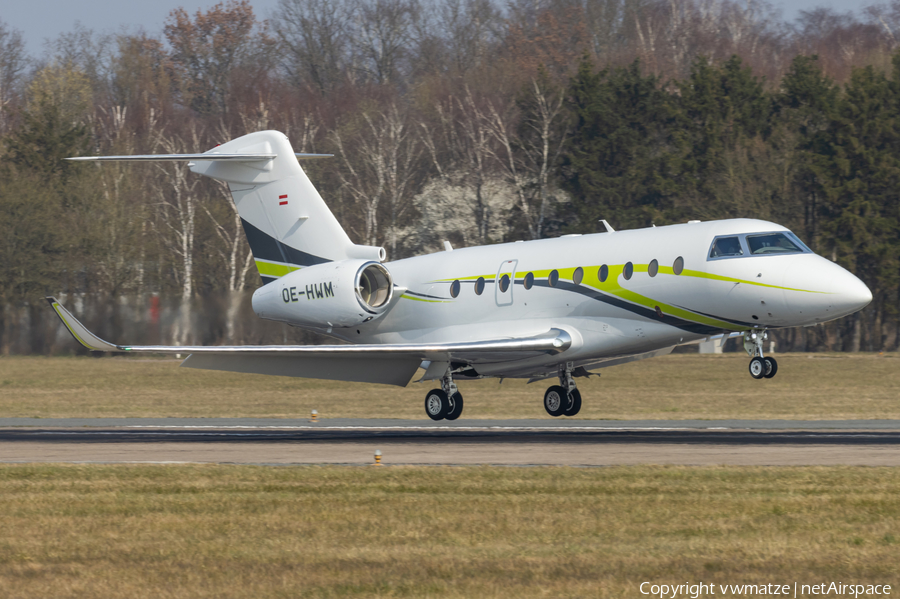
<point>565,397</point>
<point>446,402</point>
<point>760,366</point>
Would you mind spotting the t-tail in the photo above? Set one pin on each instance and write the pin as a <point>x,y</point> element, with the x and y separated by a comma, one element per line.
<point>287,223</point>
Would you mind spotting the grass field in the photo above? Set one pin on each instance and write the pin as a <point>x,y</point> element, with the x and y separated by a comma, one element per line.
<point>242,531</point>
<point>684,386</point>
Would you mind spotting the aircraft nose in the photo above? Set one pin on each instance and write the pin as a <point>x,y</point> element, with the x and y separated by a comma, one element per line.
<point>819,290</point>
<point>855,295</point>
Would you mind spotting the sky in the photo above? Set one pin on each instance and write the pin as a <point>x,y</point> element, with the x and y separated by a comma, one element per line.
<point>39,20</point>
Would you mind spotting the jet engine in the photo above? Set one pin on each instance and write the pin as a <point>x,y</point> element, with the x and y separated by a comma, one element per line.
<point>345,293</point>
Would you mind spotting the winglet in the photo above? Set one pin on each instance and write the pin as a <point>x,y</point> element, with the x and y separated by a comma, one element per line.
<point>79,331</point>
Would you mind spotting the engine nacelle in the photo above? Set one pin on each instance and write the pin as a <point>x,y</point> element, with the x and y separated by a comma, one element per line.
<point>346,293</point>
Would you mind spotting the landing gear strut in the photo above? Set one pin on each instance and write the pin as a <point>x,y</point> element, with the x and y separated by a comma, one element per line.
<point>565,397</point>
<point>760,366</point>
<point>446,402</point>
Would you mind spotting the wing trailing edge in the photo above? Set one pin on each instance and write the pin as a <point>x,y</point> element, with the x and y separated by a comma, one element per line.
<point>388,363</point>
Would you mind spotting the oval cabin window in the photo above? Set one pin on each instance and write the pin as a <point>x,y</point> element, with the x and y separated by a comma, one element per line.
<point>578,276</point>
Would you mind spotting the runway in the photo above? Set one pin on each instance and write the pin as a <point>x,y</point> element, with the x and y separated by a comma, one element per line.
<point>462,442</point>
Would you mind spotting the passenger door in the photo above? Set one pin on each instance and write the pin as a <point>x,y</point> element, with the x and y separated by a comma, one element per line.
<point>504,283</point>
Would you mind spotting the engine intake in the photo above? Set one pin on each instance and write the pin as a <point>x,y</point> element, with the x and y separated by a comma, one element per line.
<point>345,293</point>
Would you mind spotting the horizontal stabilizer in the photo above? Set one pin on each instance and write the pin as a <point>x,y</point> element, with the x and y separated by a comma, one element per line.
<point>209,156</point>
<point>177,157</point>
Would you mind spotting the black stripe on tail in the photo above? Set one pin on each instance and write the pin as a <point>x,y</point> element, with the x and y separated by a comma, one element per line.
<point>266,247</point>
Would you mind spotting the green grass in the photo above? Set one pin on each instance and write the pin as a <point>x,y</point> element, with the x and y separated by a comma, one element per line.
<point>685,386</point>
<point>243,531</point>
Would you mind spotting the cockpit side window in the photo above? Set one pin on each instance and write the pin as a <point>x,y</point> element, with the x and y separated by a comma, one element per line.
<point>772,243</point>
<point>726,246</point>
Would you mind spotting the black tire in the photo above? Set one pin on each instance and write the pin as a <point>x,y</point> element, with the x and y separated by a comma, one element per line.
<point>436,404</point>
<point>555,400</point>
<point>574,405</point>
<point>456,406</point>
<point>772,367</point>
<point>758,368</point>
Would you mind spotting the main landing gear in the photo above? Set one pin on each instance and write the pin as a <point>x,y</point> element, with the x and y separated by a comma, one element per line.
<point>760,366</point>
<point>446,402</point>
<point>563,398</point>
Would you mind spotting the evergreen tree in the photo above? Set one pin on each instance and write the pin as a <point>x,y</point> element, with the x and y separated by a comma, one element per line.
<point>805,108</point>
<point>622,162</point>
<point>722,109</point>
<point>860,211</point>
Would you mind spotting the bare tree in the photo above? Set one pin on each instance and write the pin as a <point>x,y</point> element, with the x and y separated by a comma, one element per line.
<point>210,47</point>
<point>383,33</point>
<point>541,142</point>
<point>12,66</point>
<point>177,203</point>
<point>471,28</point>
<point>381,170</point>
<point>315,36</point>
<point>461,151</point>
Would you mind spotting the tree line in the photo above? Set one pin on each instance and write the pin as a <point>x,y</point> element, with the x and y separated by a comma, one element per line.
<point>473,121</point>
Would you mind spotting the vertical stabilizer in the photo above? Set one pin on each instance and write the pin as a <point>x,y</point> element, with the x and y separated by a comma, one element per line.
<point>287,223</point>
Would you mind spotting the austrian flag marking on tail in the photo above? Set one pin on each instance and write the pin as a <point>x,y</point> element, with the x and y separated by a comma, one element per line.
<point>283,201</point>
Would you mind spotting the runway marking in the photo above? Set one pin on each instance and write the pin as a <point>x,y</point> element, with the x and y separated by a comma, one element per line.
<point>428,428</point>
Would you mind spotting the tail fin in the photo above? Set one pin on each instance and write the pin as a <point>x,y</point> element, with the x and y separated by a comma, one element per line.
<point>287,223</point>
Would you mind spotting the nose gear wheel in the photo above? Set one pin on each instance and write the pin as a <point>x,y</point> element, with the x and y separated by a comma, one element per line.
<point>760,366</point>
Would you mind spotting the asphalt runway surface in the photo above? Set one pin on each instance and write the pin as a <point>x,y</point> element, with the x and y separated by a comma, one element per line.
<point>462,442</point>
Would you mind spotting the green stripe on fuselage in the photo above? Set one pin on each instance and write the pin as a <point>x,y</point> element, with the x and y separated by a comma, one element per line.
<point>274,269</point>
<point>612,287</point>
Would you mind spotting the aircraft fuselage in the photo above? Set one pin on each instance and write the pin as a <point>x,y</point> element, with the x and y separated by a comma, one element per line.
<point>652,309</point>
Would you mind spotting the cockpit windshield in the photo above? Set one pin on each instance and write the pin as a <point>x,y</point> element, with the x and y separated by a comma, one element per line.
<point>756,244</point>
<point>726,246</point>
<point>772,243</point>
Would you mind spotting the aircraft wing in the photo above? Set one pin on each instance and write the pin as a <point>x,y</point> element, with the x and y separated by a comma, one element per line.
<point>392,364</point>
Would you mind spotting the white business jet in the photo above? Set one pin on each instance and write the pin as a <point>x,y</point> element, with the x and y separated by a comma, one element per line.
<point>550,308</point>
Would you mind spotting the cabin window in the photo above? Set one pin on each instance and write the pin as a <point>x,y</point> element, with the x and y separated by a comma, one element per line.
<point>726,246</point>
<point>504,283</point>
<point>629,270</point>
<point>603,273</point>
<point>479,286</point>
<point>578,276</point>
<point>454,289</point>
<point>678,267</point>
<point>653,268</point>
<point>771,243</point>
<point>553,279</point>
<point>529,281</point>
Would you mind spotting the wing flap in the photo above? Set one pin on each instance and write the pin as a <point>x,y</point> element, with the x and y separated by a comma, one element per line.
<point>385,370</point>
